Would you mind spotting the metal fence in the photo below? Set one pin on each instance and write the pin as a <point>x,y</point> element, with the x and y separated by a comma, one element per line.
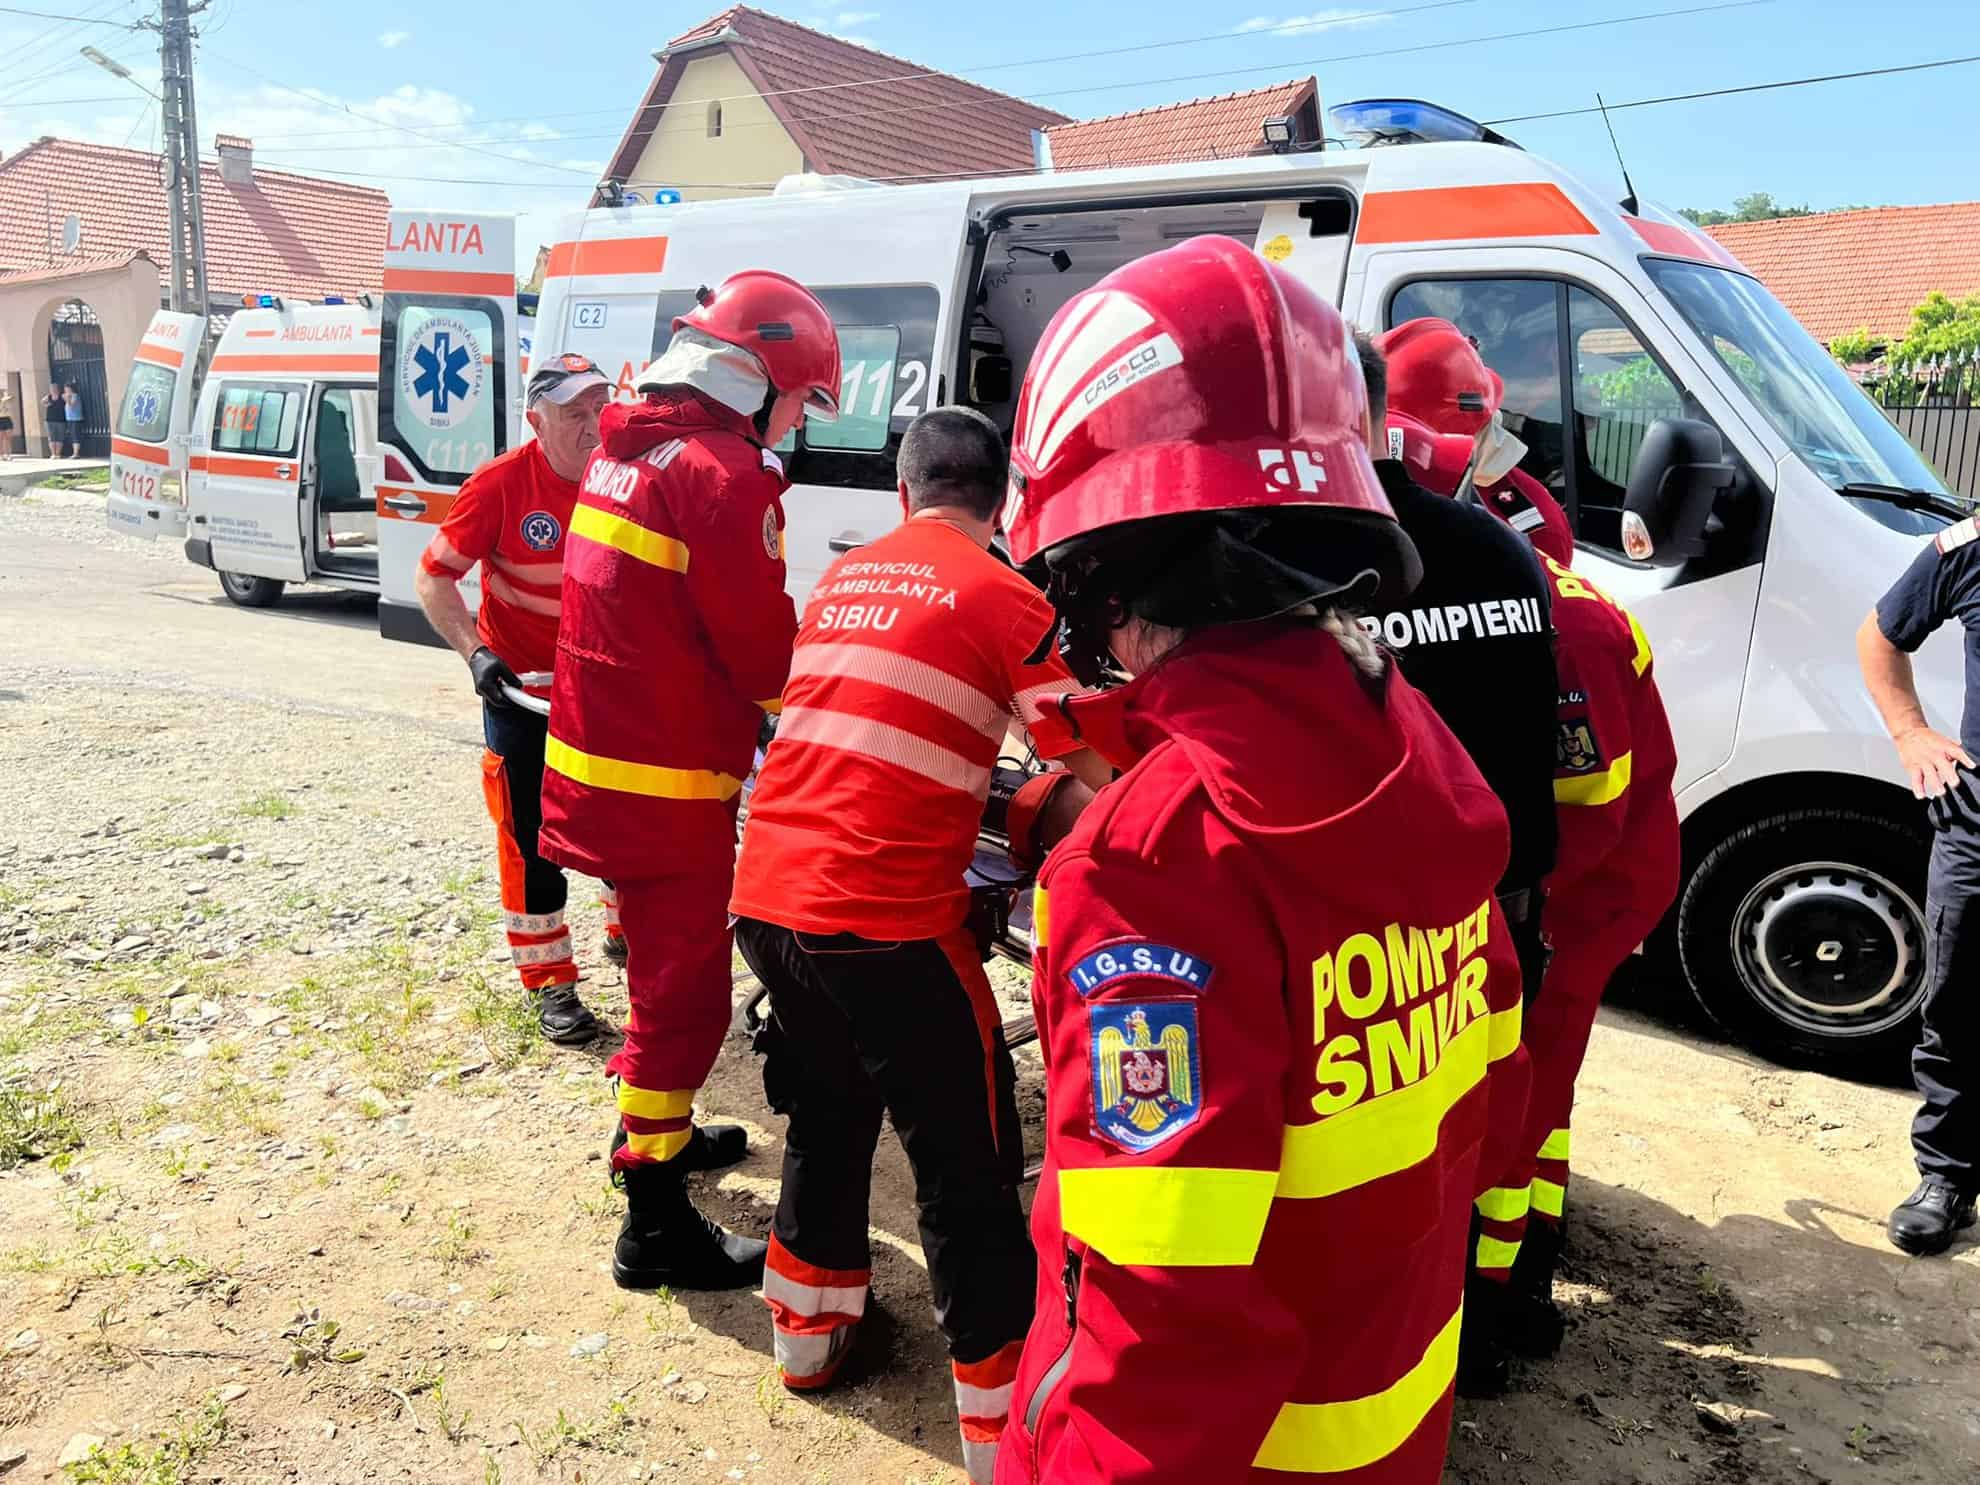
<point>1935,403</point>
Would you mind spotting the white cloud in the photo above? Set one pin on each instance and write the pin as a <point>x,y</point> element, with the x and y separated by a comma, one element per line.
<point>536,131</point>
<point>391,39</point>
<point>851,19</point>
<point>1306,25</point>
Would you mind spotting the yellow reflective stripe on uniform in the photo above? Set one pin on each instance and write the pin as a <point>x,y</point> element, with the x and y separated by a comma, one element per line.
<point>1503,1203</point>
<point>1506,1027</point>
<point>646,1103</point>
<point>637,778</point>
<point>1555,1147</point>
<point>1495,1252</point>
<point>1383,1135</point>
<point>659,1146</point>
<point>1641,660</point>
<point>1594,788</point>
<point>1548,1198</point>
<point>629,537</point>
<point>773,706</point>
<point>1039,902</point>
<point>1327,1438</point>
<point>1168,1216</point>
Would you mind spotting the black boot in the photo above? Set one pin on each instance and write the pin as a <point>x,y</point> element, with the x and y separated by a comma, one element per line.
<point>1484,1365</point>
<point>667,1242</point>
<point>709,1147</point>
<point>564,1018</point>
<point>1532,1325</point>
<point>614,948</point>
<point>1926,1220</point>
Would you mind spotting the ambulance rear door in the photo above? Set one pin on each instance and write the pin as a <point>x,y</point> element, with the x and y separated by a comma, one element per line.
<point>449,387</point>
<point>148,442</point>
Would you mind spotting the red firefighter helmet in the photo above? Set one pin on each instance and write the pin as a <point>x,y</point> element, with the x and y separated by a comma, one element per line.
<point>1200,380</point>
<point>780,322</point>
<point>1437,377</point>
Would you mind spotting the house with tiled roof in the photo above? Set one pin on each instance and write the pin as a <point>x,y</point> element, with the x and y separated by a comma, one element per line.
<point>1227,127</point>
<point>1839,271</point>
<point>85,247</point>
<point>747,98</point>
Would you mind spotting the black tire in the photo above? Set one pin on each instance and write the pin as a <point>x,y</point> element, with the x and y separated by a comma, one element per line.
<point>251,592</point>
<point>1803,935</point>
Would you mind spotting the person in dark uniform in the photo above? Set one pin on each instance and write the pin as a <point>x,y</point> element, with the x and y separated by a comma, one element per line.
<point>1943,582</point>
<point>1476,637</point>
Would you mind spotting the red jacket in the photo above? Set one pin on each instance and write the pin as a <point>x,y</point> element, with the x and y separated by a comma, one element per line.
<point>675,639</point>
<point>1617,867</point>
<point>1519,500</point>
<point>1272,985</point>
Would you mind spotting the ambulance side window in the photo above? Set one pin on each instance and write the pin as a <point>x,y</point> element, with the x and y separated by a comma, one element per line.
<point>886,381</point>
<point>257,418</point>
<point>441,392</point>
<point>1581,388</point>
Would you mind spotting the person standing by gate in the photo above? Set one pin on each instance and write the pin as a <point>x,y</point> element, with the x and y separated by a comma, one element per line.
<point>53,422</point>
<point>72,416</point>
<point>1943,582</point>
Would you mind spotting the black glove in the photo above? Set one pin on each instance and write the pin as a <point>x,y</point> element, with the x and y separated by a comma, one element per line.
<point>491,673</point>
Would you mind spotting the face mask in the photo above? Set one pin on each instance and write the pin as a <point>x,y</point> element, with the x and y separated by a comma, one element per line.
<point>1498,452</point>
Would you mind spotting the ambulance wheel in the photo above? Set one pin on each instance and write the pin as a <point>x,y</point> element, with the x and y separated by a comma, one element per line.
<point>1803,935</point>
<point>251,592</point>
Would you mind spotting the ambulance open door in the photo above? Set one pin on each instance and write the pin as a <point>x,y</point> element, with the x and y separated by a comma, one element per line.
<point>148,440</point>
<point>449,387</point>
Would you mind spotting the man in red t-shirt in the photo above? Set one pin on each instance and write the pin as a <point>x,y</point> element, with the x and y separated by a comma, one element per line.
<point>916,656</point>
<point>511,516</point>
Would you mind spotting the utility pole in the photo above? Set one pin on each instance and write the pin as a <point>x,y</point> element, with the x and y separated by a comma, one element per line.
<point>180,163</point>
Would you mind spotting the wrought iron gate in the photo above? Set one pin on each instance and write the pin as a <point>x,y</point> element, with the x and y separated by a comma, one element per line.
<point>75,358</point>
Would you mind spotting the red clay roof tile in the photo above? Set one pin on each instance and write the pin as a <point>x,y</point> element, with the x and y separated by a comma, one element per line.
<point>1220,128</point>
<point>285,234</point>
<point>1840,270</point>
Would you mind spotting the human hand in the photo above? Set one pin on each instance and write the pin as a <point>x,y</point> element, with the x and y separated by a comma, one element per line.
<point>1931,761</point>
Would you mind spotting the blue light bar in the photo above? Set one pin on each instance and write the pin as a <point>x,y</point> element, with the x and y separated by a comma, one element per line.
<point>1368,123</point>
<point>666,197</point>
<point>335,299</point>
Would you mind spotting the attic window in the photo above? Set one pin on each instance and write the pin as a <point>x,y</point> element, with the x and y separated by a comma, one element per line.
<point>715,121</point>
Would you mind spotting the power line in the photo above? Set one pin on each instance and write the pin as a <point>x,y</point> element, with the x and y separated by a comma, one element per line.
<point>27,103</point>
<point>949,105</point>
<point>37,49</point>
<point>80,20</point>
<point>1284,27</point>
<point>1793,82</point>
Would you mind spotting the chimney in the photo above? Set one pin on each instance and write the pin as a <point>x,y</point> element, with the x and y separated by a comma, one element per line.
<point>236,159</point>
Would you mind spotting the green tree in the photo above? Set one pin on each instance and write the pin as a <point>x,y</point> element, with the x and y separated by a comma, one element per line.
<point>1853,347</point>
<point>1942,346</point>
<point>1756,206</point>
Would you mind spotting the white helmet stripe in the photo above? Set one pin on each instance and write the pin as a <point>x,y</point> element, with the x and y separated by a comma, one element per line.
<point>1112,377</point>
<point>1046,356</point>
<point>1074,353</point>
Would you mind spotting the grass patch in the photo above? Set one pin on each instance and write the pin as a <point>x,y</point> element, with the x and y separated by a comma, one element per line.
<point>267,807</point>
<point>609,1433</point>
<point>169,1463</point>
<point>77,479</point>
<point>507,1023</point>
<point>35,1126</point>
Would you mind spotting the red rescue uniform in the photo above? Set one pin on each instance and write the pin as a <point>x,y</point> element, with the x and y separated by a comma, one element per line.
<point>1616,868</point>
<point>512,516</point>
<point>1273,986</point>
<point>676,638</point>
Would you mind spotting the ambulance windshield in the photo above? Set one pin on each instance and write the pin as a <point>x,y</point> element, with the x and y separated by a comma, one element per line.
<point>1797,386</point>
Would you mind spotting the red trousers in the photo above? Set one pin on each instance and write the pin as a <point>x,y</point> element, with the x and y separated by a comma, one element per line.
<point>678,977</point>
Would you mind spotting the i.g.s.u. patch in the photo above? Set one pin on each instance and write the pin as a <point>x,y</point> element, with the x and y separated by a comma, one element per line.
<point>1147,1071</point>
<point>1139,958</point>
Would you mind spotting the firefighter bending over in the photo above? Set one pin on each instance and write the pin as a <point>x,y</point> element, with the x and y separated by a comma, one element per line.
<point>676,640</point>
<point>1273,982</point>
<point>512,516</point>
<point>917,655</point>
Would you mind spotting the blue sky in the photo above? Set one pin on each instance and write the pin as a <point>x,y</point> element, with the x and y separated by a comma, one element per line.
<point>512,113</point>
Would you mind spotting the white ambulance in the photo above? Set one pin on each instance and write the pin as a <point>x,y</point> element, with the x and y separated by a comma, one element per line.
<point>1643,367</point>
<point>262,457</point>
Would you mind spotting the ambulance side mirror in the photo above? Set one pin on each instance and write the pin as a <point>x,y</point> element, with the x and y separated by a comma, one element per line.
<point>1680,470</point>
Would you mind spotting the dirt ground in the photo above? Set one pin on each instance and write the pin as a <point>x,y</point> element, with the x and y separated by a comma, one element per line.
<point>297,1194</point>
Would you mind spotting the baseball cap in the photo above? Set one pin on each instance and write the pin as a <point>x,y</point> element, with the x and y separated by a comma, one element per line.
<point>559,380</point>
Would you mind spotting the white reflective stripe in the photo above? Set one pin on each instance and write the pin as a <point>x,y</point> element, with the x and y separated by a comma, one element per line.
<point>443,551</point>
<point>557,949</point>
<point>1025,705</point>
<point>980,1460</point>
<point>808,1355</point>
<point>548,572</point>
<point>910,677</point>
<point>532,922</point>
<point>497,586</point>
<point>887,744</point>
<point>983,1402</point>
<point>810,1299</point>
